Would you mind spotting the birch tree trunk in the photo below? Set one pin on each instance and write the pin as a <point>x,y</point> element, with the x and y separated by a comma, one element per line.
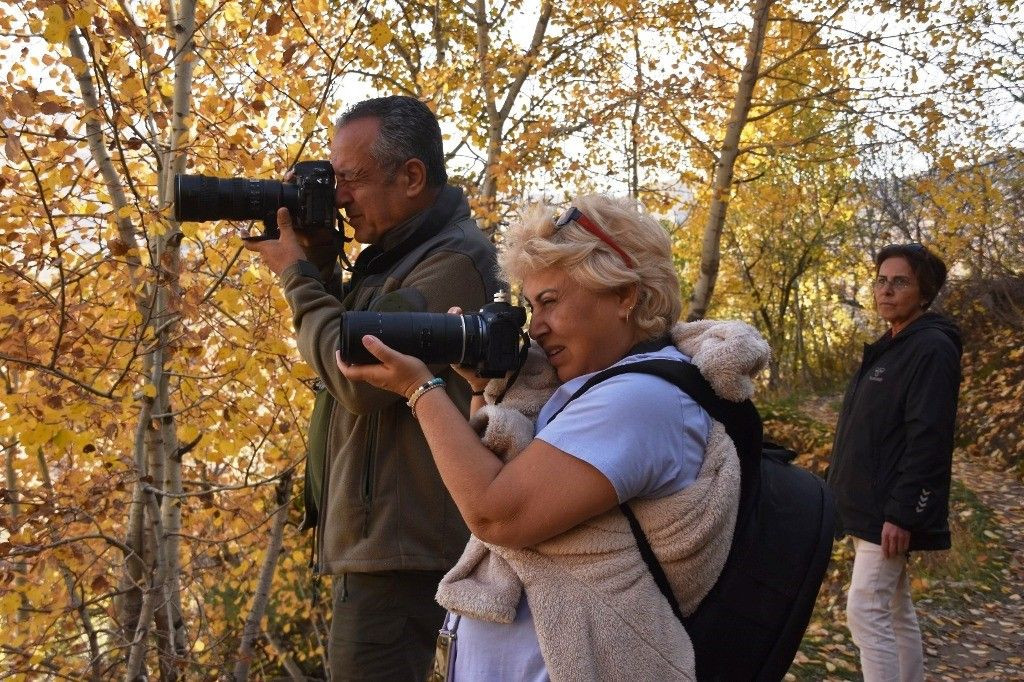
<point>131,603</point>
<point>497,117</point>
<point>156,449</point>
<point>155,600</point>
<point>252,626</point>
<point>182,20</point>
<point>710,254</point>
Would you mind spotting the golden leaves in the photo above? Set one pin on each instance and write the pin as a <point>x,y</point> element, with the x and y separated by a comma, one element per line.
<point>56,26</point>
<point>77,66</point>
<point>232,12</point>
<point>380,34</point>
<point>131,87</point>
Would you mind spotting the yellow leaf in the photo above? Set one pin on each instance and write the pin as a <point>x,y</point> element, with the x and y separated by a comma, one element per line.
<point>83,16</point>
<point>149,390</point>
<point>63,438</point>
<point>9,603</point>
<point>76,65</point>
<point>131,87</point>
<point>57,28</point>
<point>380,34</point>
<point>232,12</point>
<point>187,433</point>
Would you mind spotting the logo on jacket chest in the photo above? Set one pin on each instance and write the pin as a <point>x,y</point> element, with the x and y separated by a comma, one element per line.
<point>876,374</point>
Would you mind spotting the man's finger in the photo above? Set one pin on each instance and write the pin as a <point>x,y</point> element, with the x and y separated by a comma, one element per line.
<point>253,244</point>
<point>284,220</point>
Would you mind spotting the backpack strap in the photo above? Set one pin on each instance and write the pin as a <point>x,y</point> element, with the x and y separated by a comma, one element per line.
<point>653,565</point>
<point>742,424</point>
<point>741,420</point>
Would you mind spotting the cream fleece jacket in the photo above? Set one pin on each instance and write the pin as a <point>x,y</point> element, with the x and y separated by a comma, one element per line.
<point>596,607</point>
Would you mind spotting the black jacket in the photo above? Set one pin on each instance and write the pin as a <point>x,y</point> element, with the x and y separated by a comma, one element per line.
<point>891,460</point>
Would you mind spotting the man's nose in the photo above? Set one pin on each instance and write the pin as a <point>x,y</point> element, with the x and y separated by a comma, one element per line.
<point>342,197</point>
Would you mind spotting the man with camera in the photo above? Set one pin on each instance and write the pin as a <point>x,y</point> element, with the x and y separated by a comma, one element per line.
<point>385,527</point>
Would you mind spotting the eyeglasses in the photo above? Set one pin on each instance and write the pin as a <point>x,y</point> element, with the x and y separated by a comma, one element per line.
<point>899,282</point>
<point>576,215</point>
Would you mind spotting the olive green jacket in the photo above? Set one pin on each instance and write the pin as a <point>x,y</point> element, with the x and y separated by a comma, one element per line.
<point>383,506</point>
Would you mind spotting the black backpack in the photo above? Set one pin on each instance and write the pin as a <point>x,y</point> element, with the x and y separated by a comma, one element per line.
<point>750,624</point>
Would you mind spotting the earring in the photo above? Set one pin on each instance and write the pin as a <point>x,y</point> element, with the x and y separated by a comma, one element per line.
<point>630,312</point>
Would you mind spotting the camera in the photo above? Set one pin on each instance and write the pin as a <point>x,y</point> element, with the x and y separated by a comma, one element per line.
<point>488,341</point>
<point>309,198</point>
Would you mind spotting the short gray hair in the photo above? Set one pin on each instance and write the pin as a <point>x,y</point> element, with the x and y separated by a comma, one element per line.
<point>408,130</point>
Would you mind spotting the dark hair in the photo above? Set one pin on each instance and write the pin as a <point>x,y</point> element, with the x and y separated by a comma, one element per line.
<point>408,130</point>
<point>928,268</point>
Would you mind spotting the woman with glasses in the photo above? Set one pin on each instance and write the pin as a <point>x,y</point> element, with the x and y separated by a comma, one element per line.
<point>552,584</point>
<point>891,460</point>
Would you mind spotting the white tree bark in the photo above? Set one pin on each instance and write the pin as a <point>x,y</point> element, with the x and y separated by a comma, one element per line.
<point>252,626</point>
<point>155,600</point>
<point>497,116</point>
<point>721,190</point>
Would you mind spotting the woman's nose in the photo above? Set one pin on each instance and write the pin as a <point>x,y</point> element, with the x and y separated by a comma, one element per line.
<point>536,327</point>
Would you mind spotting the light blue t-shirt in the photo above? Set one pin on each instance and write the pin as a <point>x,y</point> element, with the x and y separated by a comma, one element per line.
<point>646,436</point>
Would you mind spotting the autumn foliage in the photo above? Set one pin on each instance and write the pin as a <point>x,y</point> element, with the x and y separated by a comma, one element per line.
<point>152,418</point>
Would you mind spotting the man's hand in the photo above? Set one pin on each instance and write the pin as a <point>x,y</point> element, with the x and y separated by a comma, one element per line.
<point>282,252</point>
<point>895,540</point>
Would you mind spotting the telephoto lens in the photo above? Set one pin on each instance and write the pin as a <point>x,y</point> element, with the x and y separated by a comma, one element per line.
<point>200,198</point>
<point>434,338</point>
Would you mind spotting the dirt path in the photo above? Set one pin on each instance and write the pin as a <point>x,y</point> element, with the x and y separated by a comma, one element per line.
<point>979,635</point>
<point>972,617</point>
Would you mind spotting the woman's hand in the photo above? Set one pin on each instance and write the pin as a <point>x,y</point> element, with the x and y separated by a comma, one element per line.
<point>476,383</point>
<point>398,373</point>
<point>895,540</point>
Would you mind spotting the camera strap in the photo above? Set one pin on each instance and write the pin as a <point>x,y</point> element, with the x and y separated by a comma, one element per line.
<point>519,365</point>
<point>345,239</point>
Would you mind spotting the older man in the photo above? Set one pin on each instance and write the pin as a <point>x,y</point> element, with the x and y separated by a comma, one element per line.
<point>385,527</point>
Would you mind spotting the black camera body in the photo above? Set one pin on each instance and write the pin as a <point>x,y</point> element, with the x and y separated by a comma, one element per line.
<point>489,341</point>
<point>309,198</point>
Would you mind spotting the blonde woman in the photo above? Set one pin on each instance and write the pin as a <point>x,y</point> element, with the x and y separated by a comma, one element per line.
<point>552,584</point>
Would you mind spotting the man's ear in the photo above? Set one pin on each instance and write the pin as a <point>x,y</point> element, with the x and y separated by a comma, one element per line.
<point>416,177</point>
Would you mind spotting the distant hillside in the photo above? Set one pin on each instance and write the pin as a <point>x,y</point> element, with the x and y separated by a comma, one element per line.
<point>991,416</point>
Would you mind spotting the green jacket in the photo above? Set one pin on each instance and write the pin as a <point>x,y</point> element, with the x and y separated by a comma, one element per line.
<point>383,506</point>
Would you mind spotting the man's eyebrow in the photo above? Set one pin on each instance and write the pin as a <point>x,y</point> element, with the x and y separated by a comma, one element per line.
<point>348,171</point>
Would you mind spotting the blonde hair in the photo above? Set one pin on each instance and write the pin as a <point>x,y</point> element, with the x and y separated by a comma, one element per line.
<point>533,243</point>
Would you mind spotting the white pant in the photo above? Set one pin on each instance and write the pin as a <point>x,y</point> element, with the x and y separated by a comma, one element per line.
<point>881,618</point>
